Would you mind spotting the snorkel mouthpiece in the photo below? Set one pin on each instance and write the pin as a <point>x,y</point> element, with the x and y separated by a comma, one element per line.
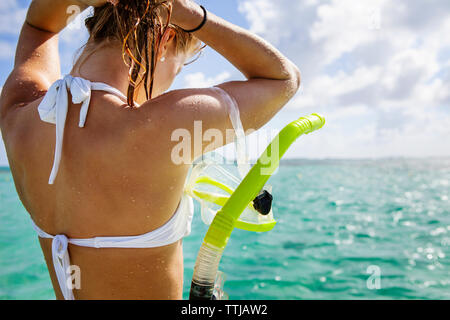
<point>263,202</point>
<point>227,218</point>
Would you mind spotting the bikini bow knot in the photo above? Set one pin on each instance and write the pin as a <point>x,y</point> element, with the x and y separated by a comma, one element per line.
<point>61,264</point>
<point>59,245</point>
<point>54,107</point>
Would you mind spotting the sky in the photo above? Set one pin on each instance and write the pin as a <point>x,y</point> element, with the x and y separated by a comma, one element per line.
<point>377,70</point>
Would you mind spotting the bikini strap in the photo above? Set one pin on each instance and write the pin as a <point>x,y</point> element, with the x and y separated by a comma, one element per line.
<point>54,107</point>
<point>240,141</point>
<point>61,260</point>
<point>178,227</point>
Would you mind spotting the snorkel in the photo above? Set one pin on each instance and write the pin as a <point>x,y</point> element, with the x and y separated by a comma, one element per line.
<point>248,193</point>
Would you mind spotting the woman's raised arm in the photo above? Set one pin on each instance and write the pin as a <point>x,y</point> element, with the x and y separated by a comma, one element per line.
<point>37,64</point>
<point>272,79</point>
<point>252,55</point>
<point>53,15</point>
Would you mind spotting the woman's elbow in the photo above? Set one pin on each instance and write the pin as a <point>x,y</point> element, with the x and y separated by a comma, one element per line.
<point>292,84</point>
<point>296,77</point>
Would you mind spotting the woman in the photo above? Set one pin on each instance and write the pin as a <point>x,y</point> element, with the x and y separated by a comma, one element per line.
<point>116,177</point>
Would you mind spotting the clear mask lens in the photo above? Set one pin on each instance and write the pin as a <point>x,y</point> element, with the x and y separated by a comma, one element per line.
<point>212,185</point>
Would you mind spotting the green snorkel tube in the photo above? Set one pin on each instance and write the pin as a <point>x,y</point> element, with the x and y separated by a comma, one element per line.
<point>216,239</point>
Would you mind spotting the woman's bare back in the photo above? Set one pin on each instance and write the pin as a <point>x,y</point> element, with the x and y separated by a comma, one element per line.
<point>108,184</point>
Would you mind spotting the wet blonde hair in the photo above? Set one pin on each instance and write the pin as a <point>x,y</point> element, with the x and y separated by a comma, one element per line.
<point>139,25</point>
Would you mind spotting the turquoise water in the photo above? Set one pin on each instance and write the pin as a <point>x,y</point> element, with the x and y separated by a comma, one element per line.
<point>335,219</point>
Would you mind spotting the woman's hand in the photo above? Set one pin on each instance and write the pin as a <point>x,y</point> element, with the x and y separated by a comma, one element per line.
<point>186,14</point>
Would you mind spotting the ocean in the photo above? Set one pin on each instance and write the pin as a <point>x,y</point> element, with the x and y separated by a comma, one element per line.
<point>347,229</point>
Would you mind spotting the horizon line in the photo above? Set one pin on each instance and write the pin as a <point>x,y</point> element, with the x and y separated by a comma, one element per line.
<point>385,158</point>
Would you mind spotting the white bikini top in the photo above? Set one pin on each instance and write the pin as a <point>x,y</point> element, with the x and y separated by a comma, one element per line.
<point>53,109</point>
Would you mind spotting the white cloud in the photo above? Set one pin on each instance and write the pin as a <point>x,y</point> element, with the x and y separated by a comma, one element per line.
<point>259,12</point>
<point>200,80</point>
<point>345,25</point>
<point>6,51</point>
<point>12,17</point>
<point>379,70</point>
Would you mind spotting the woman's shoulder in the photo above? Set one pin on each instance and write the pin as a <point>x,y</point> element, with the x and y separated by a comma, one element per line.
<point>184,106</point>
<point>191,115</point>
